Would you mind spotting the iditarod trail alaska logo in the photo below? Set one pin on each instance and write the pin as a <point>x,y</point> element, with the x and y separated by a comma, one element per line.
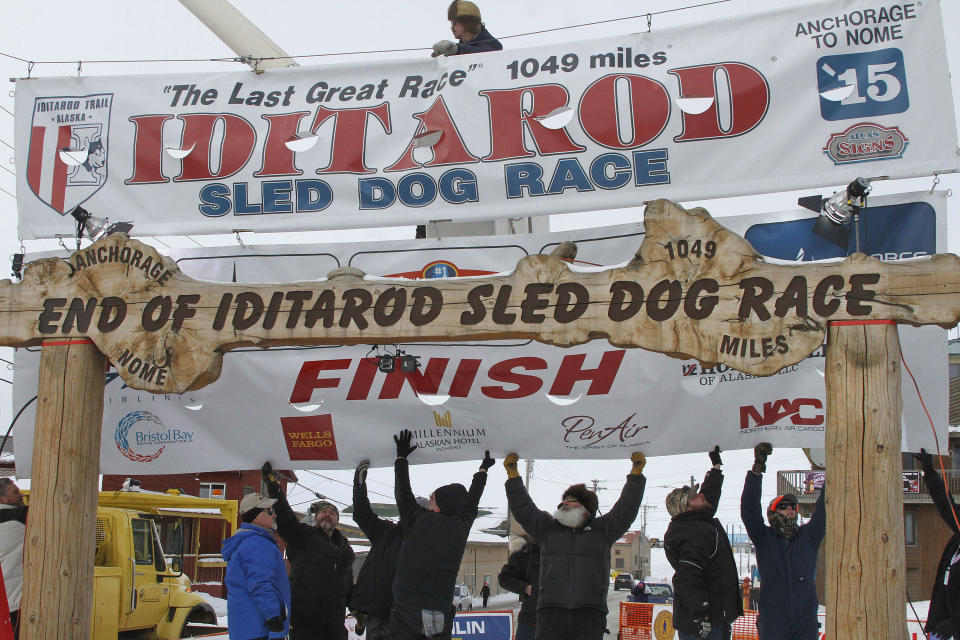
<point>67,157</point>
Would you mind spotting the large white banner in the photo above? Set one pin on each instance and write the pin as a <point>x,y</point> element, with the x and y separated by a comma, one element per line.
<point>330,407</point>
<point>810,96</point>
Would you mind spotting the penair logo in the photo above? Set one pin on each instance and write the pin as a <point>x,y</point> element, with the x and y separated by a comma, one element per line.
<point>310,437</point>
<point>67,159</point>
<point>799,414</point>
<point>865,141</point>
<point>141,430</point>
<point>440,269</point>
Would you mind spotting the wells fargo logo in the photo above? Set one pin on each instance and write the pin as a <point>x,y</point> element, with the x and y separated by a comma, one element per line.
<point>310,437</point>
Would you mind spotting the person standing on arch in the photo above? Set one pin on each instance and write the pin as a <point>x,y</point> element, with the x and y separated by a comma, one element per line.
<point>471,34</point>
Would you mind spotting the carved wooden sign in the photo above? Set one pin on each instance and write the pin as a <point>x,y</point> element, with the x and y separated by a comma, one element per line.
<point>694,290</point>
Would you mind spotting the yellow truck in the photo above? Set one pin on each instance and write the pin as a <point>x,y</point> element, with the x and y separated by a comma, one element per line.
<point>140,589</point>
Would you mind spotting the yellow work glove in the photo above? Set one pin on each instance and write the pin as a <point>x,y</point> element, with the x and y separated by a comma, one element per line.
<point>510,464</point>
<point>639,462</point>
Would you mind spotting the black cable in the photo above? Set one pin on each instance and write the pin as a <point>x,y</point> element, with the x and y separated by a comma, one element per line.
<point>910,602</point>
<point>12,422</point>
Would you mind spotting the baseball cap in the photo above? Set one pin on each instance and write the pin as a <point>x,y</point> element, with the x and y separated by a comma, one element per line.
<point>255,501</point>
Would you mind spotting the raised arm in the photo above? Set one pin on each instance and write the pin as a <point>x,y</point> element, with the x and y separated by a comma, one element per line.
<point>617,521</point>
<point>750,510</point>
<point>522,507</point>
<point>938,492</point>
<point>287,524</point>
<point>817,525</point>
<point>369,522</point>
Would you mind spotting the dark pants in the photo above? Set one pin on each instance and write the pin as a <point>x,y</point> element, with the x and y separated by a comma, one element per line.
<point>558,623</point>
<point>378,628</point>
<point>15,623</point>
<point>485,601</point>
<point>721,632</point>
<point>407,623</point>
<point>318,630</point>
<point>525,631</point>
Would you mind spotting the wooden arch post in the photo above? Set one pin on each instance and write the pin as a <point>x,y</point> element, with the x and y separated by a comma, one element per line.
<point>864,546</point>
<point>61,529</point>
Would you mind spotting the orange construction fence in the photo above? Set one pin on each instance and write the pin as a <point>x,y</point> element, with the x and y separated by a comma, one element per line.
<point>637,623</point>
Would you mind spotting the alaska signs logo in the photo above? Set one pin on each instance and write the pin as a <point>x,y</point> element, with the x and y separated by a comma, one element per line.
<point>694,290</point>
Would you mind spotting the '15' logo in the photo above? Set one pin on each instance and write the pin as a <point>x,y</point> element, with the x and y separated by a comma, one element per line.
<point>778,410</point>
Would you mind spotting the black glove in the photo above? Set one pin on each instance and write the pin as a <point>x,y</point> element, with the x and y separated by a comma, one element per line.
<point>360,475</point>
<point>945,630</point>
<point>703,627</point>
<point>403,443</point>
<point>925,459</point>
<point>274,489</point>
<point>275,623</point>
<point>487,461</point>
<point>760,453</point>
<point>715,456</point>
<point>360,622</point>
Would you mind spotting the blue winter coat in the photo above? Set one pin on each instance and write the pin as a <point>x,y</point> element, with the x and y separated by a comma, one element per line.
<point>788,568</point>
<point>257,584</point>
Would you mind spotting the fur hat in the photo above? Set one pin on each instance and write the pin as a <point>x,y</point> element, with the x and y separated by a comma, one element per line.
<point>451,498</point>
<point>678,498</point>
<point>584,496</point>
<point>463,9</point>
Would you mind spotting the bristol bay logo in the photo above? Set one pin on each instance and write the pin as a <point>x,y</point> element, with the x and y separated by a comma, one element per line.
<point>865,141</point>
<point>67,159</point>
<point>146,430</point>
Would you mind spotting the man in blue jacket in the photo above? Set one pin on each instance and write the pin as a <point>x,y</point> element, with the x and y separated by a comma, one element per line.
<point>786,557</point>
<point>258,592</point>
<point>468,29</point>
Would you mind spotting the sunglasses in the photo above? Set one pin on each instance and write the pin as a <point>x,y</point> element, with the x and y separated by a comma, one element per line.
<point>571,500</point>
<point>783,506</point>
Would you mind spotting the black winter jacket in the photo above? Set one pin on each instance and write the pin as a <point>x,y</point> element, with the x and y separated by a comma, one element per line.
<point>575,563</point>
<point>945,599</point>
<point>705,582</point>
<point>788,568</point>
<point>321,569</point>
<point>523,570</point>
<point>433,545</point>
<point>373,593</point>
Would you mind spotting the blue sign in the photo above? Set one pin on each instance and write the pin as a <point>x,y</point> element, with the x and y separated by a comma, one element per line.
<point>491,625</point>
<point>862,85</point>
<point>892,232</point>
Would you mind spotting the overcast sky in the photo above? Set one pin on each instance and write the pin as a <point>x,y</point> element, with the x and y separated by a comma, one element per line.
<point>57,30</point>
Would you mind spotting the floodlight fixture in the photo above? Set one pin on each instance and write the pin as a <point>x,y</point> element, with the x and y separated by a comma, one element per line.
<point>837,211</point>
<point>94,227</point>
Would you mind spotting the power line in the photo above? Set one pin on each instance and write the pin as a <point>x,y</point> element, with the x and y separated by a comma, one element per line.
<point>8,193</point>
<point>352,53</point>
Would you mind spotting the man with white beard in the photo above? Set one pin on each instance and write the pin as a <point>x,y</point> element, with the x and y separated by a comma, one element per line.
<point>575,551</point>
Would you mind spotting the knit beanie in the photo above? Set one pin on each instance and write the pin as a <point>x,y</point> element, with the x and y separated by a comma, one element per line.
<point>678,498</point>
<point>451,498</point>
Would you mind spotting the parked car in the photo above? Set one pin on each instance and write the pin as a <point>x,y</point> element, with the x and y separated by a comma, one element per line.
<point>462,599</point>
<point>660,593</point>
<point>622,581</point>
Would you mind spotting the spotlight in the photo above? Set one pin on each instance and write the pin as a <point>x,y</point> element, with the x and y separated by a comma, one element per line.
<point>16,266</point>
<point>837,211</point>
<point>409,364</point>
<point>94,227</point>
<point>387,364</point>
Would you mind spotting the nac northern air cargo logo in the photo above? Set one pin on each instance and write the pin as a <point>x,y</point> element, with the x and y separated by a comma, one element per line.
<point>797,414</point>
<point>139,430</point>
<point>67,158</point>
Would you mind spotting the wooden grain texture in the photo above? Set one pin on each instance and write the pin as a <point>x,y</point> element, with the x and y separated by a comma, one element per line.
<point>864,545</point>
<point>60,536</point>
<point>694,290</point>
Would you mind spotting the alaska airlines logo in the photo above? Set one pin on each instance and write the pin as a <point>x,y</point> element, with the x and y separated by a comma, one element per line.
<point>440,269</point>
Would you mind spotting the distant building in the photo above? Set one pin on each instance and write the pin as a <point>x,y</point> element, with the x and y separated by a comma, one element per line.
<point>631,554</point>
